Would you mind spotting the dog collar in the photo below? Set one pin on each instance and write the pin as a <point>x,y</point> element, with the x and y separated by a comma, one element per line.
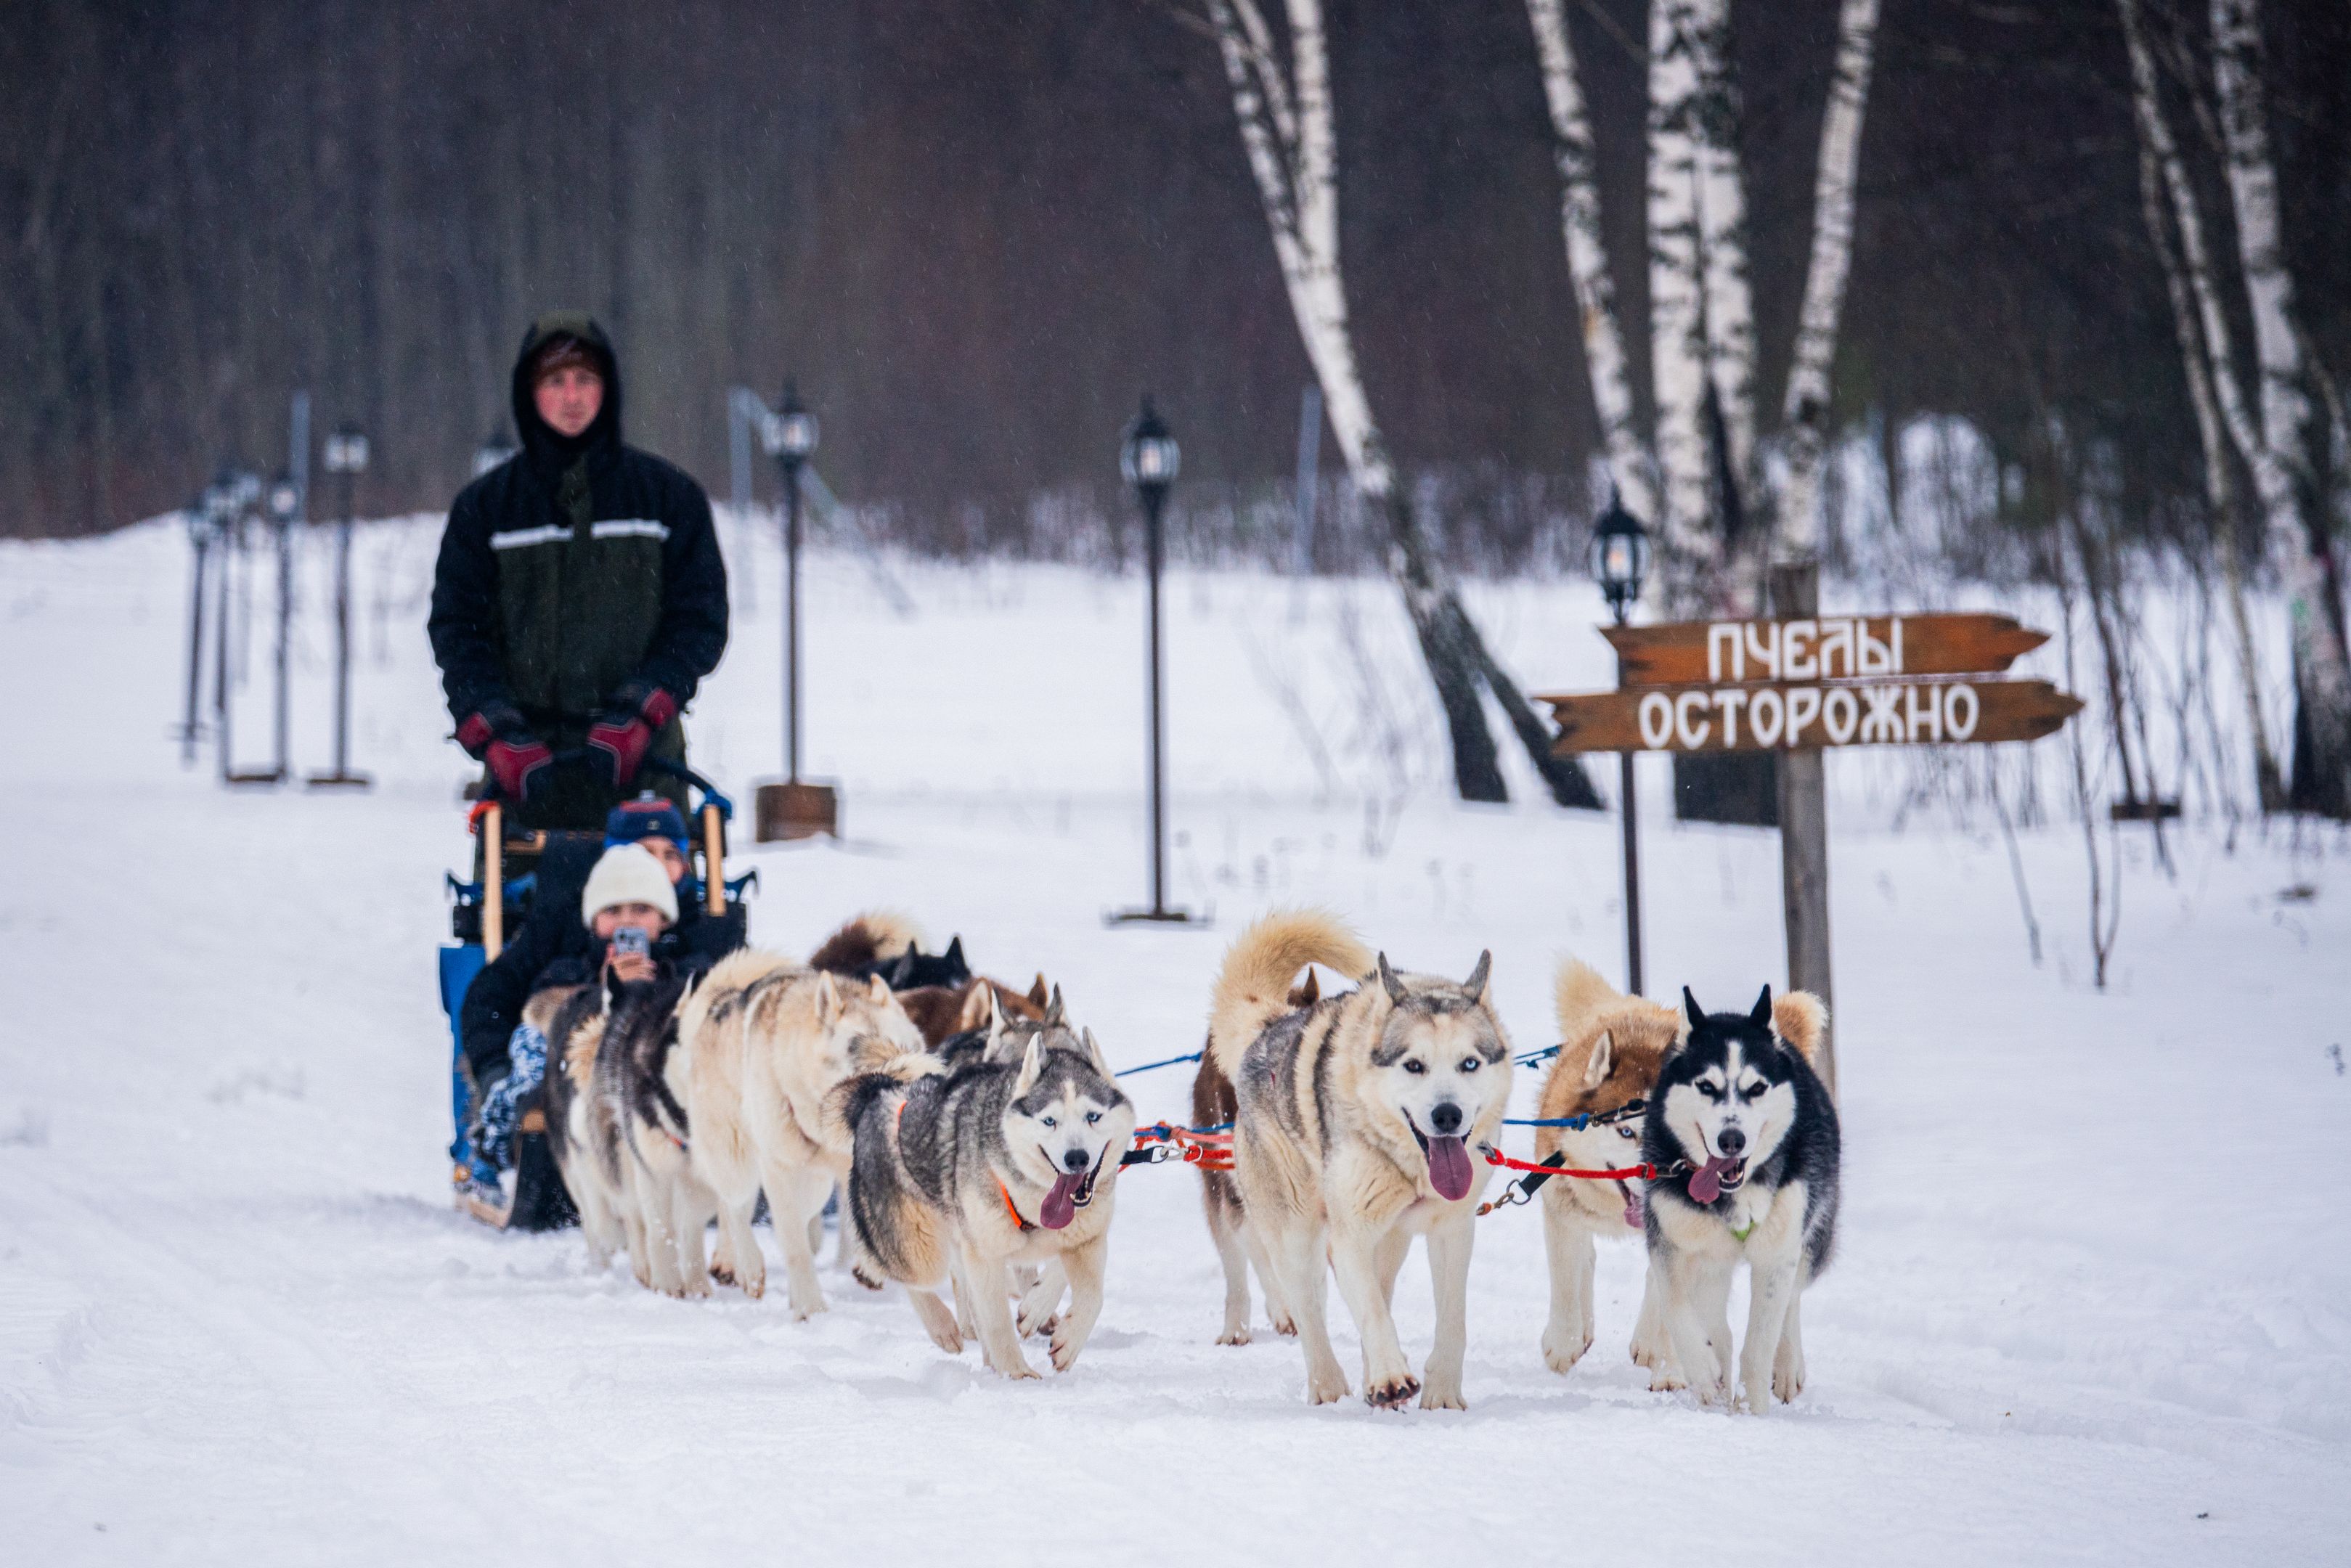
<point>1011,1209</point>
<point>1740,1233</point>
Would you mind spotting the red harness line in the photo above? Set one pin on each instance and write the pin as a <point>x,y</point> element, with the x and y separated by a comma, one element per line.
<point>1645,1171</point>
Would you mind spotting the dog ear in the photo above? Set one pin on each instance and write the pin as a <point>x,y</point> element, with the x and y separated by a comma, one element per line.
<point>1307,992</point>
<point>1032,1064</point>
<point>877,991</point>
<point>994,1020</point>
<point>1476,984</point>
<point>1761,1017</point>
<point>828,999</point>
<point>1603,1060</point>
<point>1094,1051</point>
<point>1037,989</point>
<point>1055,1014</point>
<point>1390,983</point>
<point>954,954</point>
<point>1689,1006</point>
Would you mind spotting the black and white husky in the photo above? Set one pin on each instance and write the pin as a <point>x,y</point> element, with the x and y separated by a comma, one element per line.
<point>1748,1135</point>
<point>1009,1158</point>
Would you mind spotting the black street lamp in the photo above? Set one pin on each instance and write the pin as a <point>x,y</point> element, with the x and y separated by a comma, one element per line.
<point>223,503</point>
<point>347,458</point>
<point>203,517</point>
<point>1620,559</point>
<point>793,808</point>
<point>285,502</point>
<point>1150,459</point>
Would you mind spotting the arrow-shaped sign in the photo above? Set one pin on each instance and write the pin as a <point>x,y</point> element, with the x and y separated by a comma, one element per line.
<point>1783,714</point>
<point>1825,648</point>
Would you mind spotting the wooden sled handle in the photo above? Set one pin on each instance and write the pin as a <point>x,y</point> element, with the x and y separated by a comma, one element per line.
<point>714,854</point>
<point>494,888</point>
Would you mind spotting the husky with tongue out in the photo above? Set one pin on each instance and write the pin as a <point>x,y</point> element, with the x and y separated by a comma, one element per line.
<point>1008,1157</point>
<point>1745,1135</point>
<point>1358,1126</point>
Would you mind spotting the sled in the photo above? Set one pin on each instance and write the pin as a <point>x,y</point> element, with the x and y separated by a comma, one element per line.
<point>508,862</point>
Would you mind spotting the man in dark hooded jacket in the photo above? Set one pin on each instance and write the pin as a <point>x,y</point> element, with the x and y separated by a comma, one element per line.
<point>579,597</point>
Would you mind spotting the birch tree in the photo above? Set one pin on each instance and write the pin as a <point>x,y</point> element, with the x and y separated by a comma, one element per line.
<point>1729,314</point>
<point>2323,676</point>
<point>2322,666</point>
<point>1290,137</point>
<point>1804,410</point>
<point>1677,372</point>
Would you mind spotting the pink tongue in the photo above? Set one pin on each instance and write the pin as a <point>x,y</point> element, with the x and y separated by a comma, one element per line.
<point>1633,1208</point>
<point>1448,1168</point>
<point>1060,1205</point>
<point>1706,1182</point>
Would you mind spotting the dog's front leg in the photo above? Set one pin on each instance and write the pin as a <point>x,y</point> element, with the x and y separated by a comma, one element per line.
<point>1389,1259</point>
<point>1085,1266</point>
<point>1688,1295</point>
<point>738,1248</point>
<point>1388,1380</point>
<point>1297,1253</point>
<point>1223,1230</point>
<point>691,1208</point>
<point>1449,1244</point>
<point>1039,1301</point>
<point>939,1319</point>
<point>1653,1341</point>
<point>1277,1298</point>
<point>989,1297</point>
<point>1568,1249</point>
<point>1771,1288</point>
<point>1788,1365</point>
<point>793,1192</point>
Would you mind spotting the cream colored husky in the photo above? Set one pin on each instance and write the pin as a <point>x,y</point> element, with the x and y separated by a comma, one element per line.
<point>762,1041</point>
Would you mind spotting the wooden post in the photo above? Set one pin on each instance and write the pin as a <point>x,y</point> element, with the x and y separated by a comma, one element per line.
<point>713,861</point>
<point>494,882</point>
<point>1804,836</point>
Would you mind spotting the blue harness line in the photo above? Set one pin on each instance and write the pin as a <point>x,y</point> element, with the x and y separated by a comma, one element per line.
<point>1153,1066</point>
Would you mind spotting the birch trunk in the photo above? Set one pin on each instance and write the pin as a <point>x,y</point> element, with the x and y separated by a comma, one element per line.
<point>2322,666</point>
<point>1630,466</point>
<point>1676,314</point>
<point>1289,134</point>
<point>1805,408</point>
<point>2220,478</point>
<point>1728,312</point>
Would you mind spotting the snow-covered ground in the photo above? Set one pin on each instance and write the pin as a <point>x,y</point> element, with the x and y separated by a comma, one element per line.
<point>2091,1299</point>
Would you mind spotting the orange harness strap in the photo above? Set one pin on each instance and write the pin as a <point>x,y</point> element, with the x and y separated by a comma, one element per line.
<point>1010,1207</point>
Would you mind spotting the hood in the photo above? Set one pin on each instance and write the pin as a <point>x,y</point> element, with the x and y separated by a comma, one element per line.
<point>545,447</point>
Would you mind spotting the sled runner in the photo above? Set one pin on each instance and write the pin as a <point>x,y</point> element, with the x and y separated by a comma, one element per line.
<point>509,863</point>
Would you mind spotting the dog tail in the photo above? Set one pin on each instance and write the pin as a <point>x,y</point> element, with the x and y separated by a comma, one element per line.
<point>1579,996</point>
<point>1253,988</point>
<point>875,936</point>
<point>847,1101</point>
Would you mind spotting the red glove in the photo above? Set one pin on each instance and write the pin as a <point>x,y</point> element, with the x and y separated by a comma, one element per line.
<point>617,743</point>
<point>519,762</point>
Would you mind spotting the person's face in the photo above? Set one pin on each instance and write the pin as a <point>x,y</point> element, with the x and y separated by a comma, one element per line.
<point>568,397</point>
<point>611,919</point>
<point>671,858</point>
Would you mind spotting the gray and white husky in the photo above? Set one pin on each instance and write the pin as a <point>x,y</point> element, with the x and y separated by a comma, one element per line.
<point>1011,1158</point>
<point>1750,1133</point>
<point>1358,1123</point>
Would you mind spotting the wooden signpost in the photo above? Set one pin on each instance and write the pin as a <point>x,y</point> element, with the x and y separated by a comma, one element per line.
<point>1798,686</point>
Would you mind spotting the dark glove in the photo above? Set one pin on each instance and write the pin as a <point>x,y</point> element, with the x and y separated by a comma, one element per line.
<point>519,762</point>
<point>617,743</point>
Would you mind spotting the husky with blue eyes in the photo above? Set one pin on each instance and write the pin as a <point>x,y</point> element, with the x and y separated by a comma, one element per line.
<point>1746,1135</point>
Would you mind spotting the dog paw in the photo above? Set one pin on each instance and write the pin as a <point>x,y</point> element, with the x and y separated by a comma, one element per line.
<point>1326,1389</point>
<point>858,1272</point>
<point>1047,1328</point>
<point>1018,1370</point>
<point>947,1341</point>
<point>1666,1378</point>
<point>1392,1392</point>
<point>804,1310</point>
<point>1065,1353</point>
<point>1713,1396</point>
<point>1562,1350</point>
<point>1787,1383</point>
<point>1234,1336</point>
<point>1446,1396</point>
<point>724,1274</point>
<point>1287,1327</point>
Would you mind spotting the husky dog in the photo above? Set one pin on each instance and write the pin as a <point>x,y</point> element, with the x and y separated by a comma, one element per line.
<point>915,968</point>
<point>944,1012</point>
<point>1214,1104</point>
<point>1355,1125</point>
<point>1610,1047</point>
<point>581,1132</point>
<point>766,1041</point>
<point>623,1132</point>
<point>1738,1103</point>
<point>1010,1159</point>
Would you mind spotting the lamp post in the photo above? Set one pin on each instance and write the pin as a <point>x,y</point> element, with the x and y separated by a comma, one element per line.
<point>793,808</point>
<point>347,459</point>
<point>285,502</point>
<point>221,506</point>
<point>1150,459</point>
<point>204,531</point>
<point>1620,559</point>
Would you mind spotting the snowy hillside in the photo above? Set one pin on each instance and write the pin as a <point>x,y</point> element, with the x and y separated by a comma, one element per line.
<point>2091,1299</point>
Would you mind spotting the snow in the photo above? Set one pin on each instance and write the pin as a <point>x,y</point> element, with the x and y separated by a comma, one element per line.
<point>2090,1298</point>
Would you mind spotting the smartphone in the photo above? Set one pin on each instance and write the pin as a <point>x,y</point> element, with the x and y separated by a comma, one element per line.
<point>633,939</point>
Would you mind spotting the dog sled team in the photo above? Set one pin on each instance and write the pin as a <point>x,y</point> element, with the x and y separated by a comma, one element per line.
<point>976,1134</point>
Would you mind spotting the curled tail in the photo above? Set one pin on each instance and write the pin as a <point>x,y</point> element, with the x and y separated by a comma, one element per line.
<point>1579,996</point>
<point>1253,988</point>
<point>874,937</point>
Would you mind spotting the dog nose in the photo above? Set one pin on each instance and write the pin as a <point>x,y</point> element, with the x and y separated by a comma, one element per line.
<point>1074,1160</point>
<point>1732,1141</point>
<point>1445,1118</point>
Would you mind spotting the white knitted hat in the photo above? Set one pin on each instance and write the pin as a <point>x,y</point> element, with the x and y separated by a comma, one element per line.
<point>628,873</point>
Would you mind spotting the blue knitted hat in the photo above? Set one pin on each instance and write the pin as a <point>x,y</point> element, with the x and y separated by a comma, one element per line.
<point>646,817</point>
